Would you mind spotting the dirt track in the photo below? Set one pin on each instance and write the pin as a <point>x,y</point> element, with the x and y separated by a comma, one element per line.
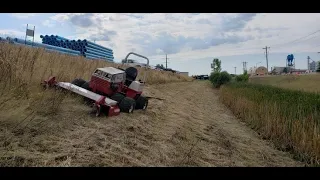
<point>189,128</point>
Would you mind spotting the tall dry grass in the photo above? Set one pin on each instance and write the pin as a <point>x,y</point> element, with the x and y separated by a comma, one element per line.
<point>23,68</point>
<point>30,116</point>
<point>306,82</point>
<point>288,118</point>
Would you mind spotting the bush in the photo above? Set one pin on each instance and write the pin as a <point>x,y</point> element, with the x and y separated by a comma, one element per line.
<point>220,78</point>
<point>242,78</point>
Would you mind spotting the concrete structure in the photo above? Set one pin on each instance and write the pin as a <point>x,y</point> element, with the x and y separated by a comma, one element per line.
<point>258,71</point>
<point>314,66</point>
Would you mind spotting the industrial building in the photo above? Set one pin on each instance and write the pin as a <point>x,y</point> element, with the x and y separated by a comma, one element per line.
<point>285,70</point>
<point>278,70</point>
<point>184,73</point>
<point>298,71</point>
<point>313,66</point>
<point>258,71</point>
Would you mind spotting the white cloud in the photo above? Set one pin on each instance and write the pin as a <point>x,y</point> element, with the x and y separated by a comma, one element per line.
<point>48,23</point>
<point>11,33</point>
<point>23,15</point>
<point>195,36</point>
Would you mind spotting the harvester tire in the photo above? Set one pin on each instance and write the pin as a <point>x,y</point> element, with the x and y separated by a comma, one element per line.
<point>127,105</point>
<point>142,103</point>
<point>78,82</point>
<point>117,97</point>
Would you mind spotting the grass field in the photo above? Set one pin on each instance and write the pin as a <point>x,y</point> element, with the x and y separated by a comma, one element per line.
<point>290,118</point>
<point>22,69</point>
<point>50,128</point>
<point>308,82</point>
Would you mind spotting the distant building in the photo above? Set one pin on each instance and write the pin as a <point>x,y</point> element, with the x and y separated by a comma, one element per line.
<point>184,73</point>
<point>299,71</point>
<point>278,70</point>
<point>285,70</point>
<point>313,66</point>
<point>258,71</point>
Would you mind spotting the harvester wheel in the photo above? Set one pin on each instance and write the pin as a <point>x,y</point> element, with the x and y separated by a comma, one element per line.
<point>127,105</point>
<point>118,97</point>
<point>142,103</point>
<point>78,82</point>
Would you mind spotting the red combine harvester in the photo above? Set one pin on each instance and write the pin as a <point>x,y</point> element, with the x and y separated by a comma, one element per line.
<point>111,90</point>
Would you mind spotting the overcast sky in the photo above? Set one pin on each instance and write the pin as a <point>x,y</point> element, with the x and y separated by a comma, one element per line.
<point>190,40</point>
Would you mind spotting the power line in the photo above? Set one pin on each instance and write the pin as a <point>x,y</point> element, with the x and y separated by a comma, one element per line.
<point>298,39</point>
<point>281,44</point>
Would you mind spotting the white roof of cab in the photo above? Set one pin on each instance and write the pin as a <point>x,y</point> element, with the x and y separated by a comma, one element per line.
<point>111,70</point>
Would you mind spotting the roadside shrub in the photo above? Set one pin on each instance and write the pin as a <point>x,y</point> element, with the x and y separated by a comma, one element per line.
<point>220,78</point>
<point>242,78</point>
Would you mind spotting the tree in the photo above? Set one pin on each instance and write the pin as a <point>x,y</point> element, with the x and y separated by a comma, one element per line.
<point>216,65</point>
<point>220,78</point>
<point>160,66</point>
<point>318,68</point>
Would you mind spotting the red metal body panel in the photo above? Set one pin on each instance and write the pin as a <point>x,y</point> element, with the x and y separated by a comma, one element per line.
<point>103,86</point>
<point>113,111</point>
<point>99,86</point>
<point>50,82</point>
<point>131,93</point>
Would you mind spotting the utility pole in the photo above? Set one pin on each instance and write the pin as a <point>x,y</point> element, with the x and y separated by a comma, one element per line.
<point>166,61</point>
<point>235,70</point>
<point>266,48</point>
<point>308,63</point>
<point>244,66</point>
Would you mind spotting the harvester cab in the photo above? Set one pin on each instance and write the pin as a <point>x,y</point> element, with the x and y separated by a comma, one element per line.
<point>112,89</point>
<point>110,81</point>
